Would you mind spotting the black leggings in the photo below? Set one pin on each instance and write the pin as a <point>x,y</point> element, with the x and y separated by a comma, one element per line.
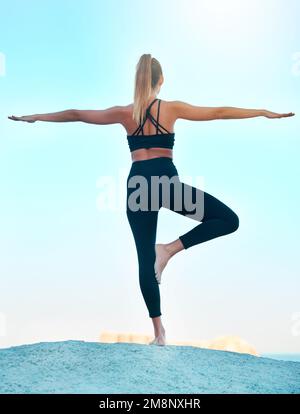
<point>144,199</point>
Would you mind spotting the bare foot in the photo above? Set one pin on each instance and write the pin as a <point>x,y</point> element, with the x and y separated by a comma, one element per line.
<point>160,339</point>
<point>162,257</point>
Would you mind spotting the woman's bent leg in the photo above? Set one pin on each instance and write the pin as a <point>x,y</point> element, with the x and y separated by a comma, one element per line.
<point>217,219</point>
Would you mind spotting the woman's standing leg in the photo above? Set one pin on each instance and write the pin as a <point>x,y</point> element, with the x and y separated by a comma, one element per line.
<point>143,225</point>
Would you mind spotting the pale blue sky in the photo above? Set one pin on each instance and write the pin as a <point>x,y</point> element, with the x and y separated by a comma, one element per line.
<point>68,269</point>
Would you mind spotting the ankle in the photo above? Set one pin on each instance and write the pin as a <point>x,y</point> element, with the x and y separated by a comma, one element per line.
<point>170,249</point>
<point>174,247</point>
<point>159,332</point>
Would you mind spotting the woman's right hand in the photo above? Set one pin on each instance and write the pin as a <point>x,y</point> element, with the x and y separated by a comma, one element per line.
<point>25,118</point>
<point>269,114</point>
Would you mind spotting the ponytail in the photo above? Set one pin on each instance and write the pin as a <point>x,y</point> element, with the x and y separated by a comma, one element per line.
<point>148,71</point>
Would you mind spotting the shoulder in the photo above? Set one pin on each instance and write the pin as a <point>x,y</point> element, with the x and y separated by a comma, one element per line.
<point>120,112</point>
<point>173,106</point>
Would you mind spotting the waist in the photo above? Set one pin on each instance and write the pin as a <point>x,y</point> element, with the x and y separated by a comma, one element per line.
<point>153,159</point>
<point>157,166</point>
<point>147,154</point>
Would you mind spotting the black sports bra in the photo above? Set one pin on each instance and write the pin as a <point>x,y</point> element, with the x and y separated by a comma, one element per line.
<point>161,140</point>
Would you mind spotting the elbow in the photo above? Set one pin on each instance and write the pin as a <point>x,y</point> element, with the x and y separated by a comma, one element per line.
<point>224,112</point>
<point>74,114</point>
<point>218,113</point>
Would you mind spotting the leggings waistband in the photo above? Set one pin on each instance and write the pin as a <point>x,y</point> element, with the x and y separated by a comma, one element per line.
<point>153,166</point>
<point>152,159</point>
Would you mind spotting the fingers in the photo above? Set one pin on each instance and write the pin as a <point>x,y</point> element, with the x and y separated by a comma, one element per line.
<point>16,118</point>
<point>283,115</point>
<point>20,118</point>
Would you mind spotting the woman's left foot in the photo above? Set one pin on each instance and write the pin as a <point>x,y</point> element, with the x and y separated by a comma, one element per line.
<point>160,339</point>
<point>161,260</point>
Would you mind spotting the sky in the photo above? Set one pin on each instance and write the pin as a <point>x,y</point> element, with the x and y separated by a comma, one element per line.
<point>68,267</point>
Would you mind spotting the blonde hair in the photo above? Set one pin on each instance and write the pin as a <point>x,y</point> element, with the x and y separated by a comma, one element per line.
<point>148,71</point>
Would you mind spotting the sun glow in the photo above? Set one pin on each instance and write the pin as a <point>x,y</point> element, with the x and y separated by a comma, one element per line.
<point>220,20</point>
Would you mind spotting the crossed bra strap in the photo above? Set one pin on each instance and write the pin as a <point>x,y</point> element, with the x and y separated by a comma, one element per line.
<point>159,127</point>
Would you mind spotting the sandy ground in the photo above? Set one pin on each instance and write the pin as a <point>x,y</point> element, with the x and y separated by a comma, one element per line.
<point>93,367</point>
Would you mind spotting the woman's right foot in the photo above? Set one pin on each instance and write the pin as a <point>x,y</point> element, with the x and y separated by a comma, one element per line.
<point>162,256</point>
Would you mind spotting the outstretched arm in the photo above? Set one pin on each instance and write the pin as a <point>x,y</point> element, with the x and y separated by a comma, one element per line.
<point>229,112</point>
<point>184,110</point>
<point>63,116</point>
<point>111,115</point>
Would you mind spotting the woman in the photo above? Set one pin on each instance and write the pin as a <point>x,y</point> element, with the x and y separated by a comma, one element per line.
<point>151,145</point>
